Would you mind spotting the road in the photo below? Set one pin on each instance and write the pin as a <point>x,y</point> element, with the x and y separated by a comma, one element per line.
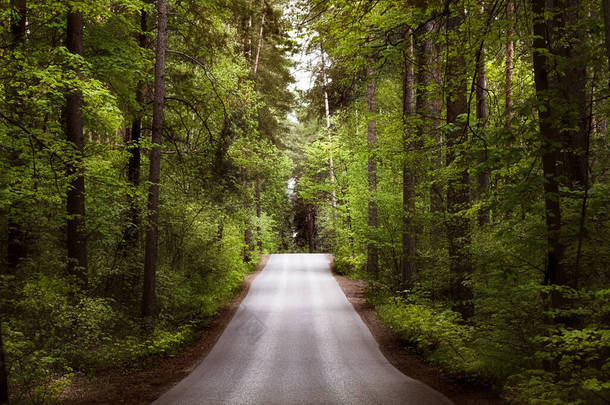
<point>296,339</point>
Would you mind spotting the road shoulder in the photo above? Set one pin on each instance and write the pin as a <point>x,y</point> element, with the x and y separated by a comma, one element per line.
<point>403,359</point>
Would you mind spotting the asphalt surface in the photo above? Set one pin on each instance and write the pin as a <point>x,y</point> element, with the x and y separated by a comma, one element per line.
<point>296,339</point>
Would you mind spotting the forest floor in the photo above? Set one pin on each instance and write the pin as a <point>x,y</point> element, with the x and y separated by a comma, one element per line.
<point>141,387</point>
<point>407,361</point>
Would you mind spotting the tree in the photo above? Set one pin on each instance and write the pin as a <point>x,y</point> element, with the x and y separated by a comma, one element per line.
<point>150,254</point>
<point>331,166</point>
<point>133,144</point>
<point>561,130</point>
<point>482,124</point>
<point>16,246</point>
<point>76,231</point>
<point>458,198</point>
<point>510,62</point>
<point>409,176</point>
<point>3,373</point>
<point>372,260</point>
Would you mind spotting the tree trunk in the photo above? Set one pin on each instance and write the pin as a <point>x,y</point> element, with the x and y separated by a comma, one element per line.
<point>606,6</point>
<point>510,62</point>
<point>569,14</point>
<point>550,143</point>
<point>249,49</point>
<point>150,253</point>
<point>133,169</point>
<point>552,99</point>
<point>372,261</point>
<point>16,242</point>
<point>249,246</point>
<point>432,114</point>
<point>482,123</point>
<point>3,372</point>
<point>409,175</point>
<point>259,236</point>
<point>458,198</point>
<point>76,231</point>
<point>331,167</point>
<point>18,21</point>
<point>16,248</point>
<point>311,227</point>
<point>260,44</point>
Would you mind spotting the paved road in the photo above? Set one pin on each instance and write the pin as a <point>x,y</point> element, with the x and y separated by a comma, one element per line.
<point>296,339</point>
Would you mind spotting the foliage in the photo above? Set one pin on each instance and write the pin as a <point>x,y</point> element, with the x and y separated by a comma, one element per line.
<point>224,131</point>
<point>534,337</point>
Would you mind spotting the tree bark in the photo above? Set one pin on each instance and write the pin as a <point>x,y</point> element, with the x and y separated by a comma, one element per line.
<point>133,172</point>
<point>606,7</point>
<point>259,235</point>
<point>16,242</point>
<point>510,62</point>
<point>133,145</point>
<point>16,248</point>
<point>3,372</point>
<point>249,49</point>
<point>260,44</point>
<point>482,123</point>
<point>18,21</point>
<point>573,84</point>
<point>551,99</point>
<point>311,227</point>
<point>432,114</point>
<point>331,167</point>
<point>76,231</point>
<point>409,175</point>
<point>372,260</point>
<point>150,253</point>
<point>458,196</point>
<point>249,246</point>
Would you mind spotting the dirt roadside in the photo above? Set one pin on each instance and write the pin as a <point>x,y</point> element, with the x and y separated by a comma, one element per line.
<point>143,387</point>
<point>404,360</point>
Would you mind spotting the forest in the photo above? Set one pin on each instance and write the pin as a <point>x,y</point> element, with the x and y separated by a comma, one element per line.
<point>452,153</point>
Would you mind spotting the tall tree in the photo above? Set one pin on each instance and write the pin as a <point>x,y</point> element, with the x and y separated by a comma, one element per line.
<point>482,113</point>
<point>16,243</point>
<point>133,169</point>
<point>510,62</point>
<point>372,260</point>
<point>409,175</point>
<point>76,231</point>
<point>152,232</point>
<point>331,165</point>
<point>260,42</point>
<point>560,97</point>
<point>257,185</point>
<point>568,44</point>
<point>3,373</point>
<point>458,193</point>
<point>257,197</point>
<point>606,8</point>
<point>431,115</point>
